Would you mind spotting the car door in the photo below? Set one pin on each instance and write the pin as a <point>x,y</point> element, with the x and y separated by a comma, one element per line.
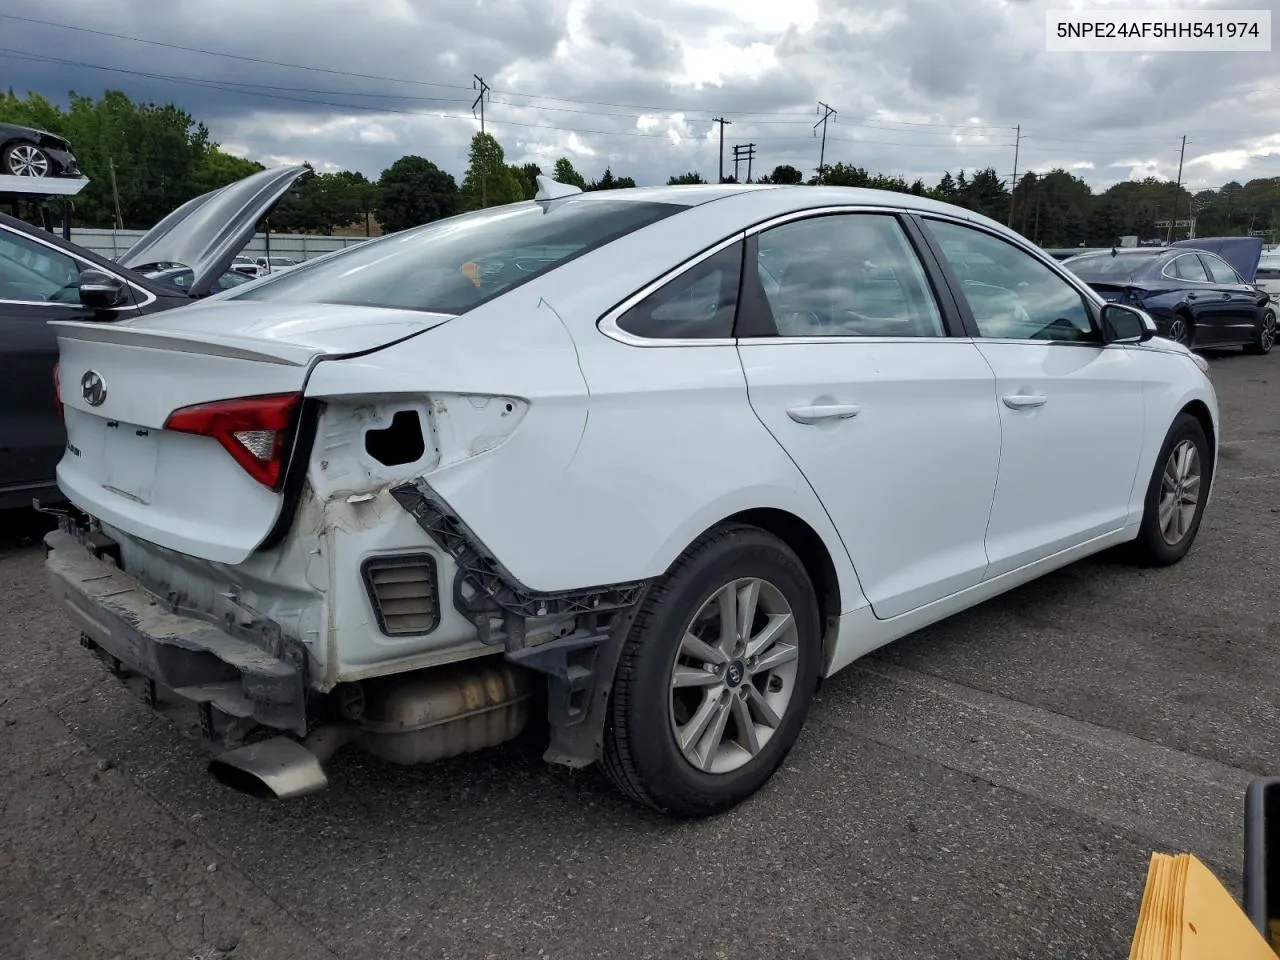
<point>38,283</point>
<point>1240,313</point>
<point>1208,306</point>
<point>850,366</point>
<point>1070,407</point>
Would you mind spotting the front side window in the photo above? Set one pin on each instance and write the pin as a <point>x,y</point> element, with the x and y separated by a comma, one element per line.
<point>846,275</point>
<point>699,304</point>
<point>1220,271</point>
<point>34,273</point>
<point>453,265</point>
<point>1021,300</point>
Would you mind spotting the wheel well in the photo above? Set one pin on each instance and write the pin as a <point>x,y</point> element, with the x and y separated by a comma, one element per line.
<point>1198,410</point>
<point>813,553</point>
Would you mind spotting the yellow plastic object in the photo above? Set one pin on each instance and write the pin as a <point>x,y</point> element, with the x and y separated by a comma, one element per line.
<point>1187,914</point>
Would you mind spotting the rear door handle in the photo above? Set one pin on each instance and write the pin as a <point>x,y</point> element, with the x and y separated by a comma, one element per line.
<point>1023,401</point>
<point>827,411</point>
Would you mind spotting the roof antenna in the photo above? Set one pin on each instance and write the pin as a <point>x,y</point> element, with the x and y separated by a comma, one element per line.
<point>549,189</point>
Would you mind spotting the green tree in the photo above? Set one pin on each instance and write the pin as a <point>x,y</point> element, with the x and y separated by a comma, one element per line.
<point>610,182</point>
<point>564,172</point>
<point>685,178</point>
<point>488,181</point>
<point>413,191</point>
<point>528,176</point>
<point>783,173</point>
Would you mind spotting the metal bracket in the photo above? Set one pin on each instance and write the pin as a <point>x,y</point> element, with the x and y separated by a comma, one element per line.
<point>501,592</point>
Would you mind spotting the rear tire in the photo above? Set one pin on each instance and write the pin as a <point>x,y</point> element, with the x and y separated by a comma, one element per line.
<point>1176,495</point>
<point>701,715</point>
<point>1182,330</point>
<point>1266,335</point>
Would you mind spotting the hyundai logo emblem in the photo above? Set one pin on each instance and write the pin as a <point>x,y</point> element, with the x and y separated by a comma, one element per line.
<point>93,388</point>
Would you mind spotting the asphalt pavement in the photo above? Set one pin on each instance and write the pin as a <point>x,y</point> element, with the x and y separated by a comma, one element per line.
<point>990,787</point>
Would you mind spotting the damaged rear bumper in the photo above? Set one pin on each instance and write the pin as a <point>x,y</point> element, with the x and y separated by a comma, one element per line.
<point>199,661</point>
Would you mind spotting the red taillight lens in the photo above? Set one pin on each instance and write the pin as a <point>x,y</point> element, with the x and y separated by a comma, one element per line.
<point>57,390</point>
<point>254,430</point>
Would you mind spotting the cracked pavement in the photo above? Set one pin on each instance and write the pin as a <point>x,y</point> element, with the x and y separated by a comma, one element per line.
<point>991,787</point>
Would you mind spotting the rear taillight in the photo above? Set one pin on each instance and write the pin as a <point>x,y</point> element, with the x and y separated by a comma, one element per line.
<point>57,390</point>
<point>254,430</point>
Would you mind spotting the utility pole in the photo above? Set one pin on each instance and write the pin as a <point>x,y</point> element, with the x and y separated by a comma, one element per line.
<point>1013,192</point>
<point>751,153</point>
<point>827,113</point>
<point>115,193</point>
<point>1177,189</point>
<point>742,152</point>
<point>722,121</point>
<point>479,84</point>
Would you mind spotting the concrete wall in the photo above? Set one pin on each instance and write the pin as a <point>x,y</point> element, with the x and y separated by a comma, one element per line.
<point>112,243</point>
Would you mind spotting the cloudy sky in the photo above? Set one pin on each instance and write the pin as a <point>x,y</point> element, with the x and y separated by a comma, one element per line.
<point>919,86</point>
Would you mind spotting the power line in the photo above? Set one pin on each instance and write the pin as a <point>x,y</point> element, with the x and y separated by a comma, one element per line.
<point>229,56</point>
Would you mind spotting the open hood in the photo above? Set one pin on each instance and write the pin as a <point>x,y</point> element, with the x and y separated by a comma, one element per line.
<point>1243,253</point>
<point>206,233</point>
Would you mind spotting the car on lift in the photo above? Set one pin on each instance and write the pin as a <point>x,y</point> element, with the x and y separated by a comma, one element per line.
<point>574,451</point>
<point>28,152</point>
<point>1201,293</point>
<point>44,278</point>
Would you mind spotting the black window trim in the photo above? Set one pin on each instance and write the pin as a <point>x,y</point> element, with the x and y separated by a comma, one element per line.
<point>1093,302</point>
<point>944,293</point>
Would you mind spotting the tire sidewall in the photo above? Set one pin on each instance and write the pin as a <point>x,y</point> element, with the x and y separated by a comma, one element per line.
<point>1186,427</point>
<point>1263,347</point>
<point>653,745</point>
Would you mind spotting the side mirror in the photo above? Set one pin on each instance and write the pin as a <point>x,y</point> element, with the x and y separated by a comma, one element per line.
<point>101,291</point>
<point>1121,324</point>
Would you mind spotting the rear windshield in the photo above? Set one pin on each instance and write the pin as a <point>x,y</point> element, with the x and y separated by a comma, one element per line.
<point>452,265</point>
<point>1106,267</point>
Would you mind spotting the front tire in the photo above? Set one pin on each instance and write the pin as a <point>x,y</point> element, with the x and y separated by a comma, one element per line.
<point>1266,335</point>
<point>1176,495</point>
<point>25,160</point>
<point>716,677</point>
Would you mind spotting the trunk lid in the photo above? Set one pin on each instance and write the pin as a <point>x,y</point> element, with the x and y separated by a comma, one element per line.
<point>207,232</point>
<point>197,489</point>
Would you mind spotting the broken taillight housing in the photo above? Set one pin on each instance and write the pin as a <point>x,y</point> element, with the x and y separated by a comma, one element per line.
<point>254,430</point>
<point>57,390</point>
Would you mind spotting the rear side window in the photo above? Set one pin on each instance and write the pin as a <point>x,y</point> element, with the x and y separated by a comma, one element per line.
<point>453,265</point>
<point>699,304</point>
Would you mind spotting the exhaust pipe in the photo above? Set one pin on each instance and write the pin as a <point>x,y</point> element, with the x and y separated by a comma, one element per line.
<point>281,768</point>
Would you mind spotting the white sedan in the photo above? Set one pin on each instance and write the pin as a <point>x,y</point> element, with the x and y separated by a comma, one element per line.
<point>656,460</point>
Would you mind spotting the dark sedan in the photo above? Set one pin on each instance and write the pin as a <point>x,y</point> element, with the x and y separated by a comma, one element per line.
<point>1194,296</point>
<point>27,152</point>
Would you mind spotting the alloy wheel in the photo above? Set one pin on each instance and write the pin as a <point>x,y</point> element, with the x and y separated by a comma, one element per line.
<point>1179,492</point>
<point>734,675</point>
<point>1267,336</point>
<point>1178,330</point>
<point>28,161</point>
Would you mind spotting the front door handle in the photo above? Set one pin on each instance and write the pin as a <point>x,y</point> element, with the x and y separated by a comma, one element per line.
<point>817,413</point>
<point>1023,401</point>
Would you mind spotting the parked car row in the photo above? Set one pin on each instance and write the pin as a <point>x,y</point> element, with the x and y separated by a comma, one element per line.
<point>767,431</point>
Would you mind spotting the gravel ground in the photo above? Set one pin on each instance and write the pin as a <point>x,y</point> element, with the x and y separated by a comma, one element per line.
<point>991,787</point>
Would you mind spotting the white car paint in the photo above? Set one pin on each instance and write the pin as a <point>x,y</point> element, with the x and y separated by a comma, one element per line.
<point>581,455</point>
